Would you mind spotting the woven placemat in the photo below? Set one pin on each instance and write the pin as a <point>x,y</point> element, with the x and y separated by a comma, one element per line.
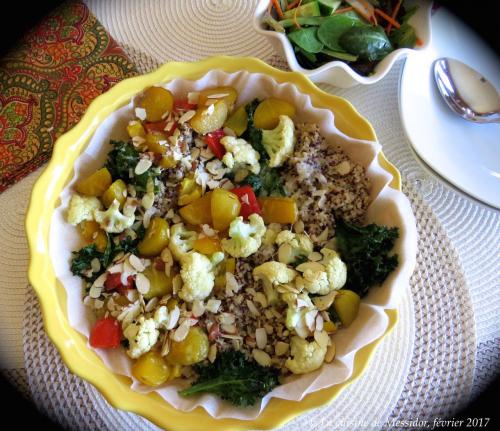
<point>431,377</point>
<point>423,369</point>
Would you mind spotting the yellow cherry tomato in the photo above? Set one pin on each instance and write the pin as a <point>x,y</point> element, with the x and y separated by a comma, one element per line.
<point>96,184</point>
<point>198,211</point>
<point>225,207</point>
<point>156,101</point>
<point>278,210</point>
<point>210,118</point>
<point>267,113</point>
<point>346,305</point>
<point>151,369</point>
<point>191,350</point>
<point>155,239</point>
<point>118,191</point>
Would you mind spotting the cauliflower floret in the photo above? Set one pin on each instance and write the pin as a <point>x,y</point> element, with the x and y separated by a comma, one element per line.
<point>181,241</point>
<point>82,208</point>
<point>112,220</point>
<point>240,154</point>
<point>161,316</point>
<point>314,278</point>
<point>307,356</point>
<point>272,273</point>
<point>245,238</point>
<point>336,269</point>
<point>142,336</point>
<point>271,233</point>
<point>293,245</point>
<point>197,277</point>
<point>298,307</point>
<point>280,141</point>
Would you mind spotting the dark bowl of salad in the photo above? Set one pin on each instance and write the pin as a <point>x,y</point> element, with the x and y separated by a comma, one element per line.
<point>344,42</point>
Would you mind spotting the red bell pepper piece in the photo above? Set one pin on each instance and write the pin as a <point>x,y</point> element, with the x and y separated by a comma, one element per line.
<point>113,281</point>
<point>213,141</point>
<point>106,333</point>
<point>248,200</point>
<point>184,105</point>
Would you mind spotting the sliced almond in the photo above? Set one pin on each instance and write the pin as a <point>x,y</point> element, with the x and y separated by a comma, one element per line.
<point>324,302</point>
<point>99,281</point>
<point>142,283</point>
<point>181,332</point>
<point>319,322</point>
<point>253,309</point>
<point>212,353</point>
<point>198,308</point>
<point>269,328</point>
<point>95,264</point>
<point>228,328</point>
<point>226,318</point>
<point>281,348</point>
<point>261,357</point>
<point>213,305</point>
<point>187,116</point>
<point>165,349</point>
<point>310,266</point>
<point>330,353</point>
<point>95,291</point>
<point>142,166</point>
<point>173,318</point>
<point>140,113</point>
<point>315,256</point>
<point>310,319</point>
<point>136,263</point>
<point>152,303</point>
<point>298,226</point>
<point>217,96</point>
<point>261,338</point>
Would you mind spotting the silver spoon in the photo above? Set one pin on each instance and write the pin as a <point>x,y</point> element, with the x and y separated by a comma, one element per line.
<point>466,91</point>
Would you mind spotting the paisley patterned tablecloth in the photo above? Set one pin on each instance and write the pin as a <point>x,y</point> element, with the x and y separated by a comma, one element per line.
<point>48,80</point>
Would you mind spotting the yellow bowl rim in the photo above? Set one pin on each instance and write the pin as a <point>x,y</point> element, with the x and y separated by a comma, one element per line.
<point>71,345</point>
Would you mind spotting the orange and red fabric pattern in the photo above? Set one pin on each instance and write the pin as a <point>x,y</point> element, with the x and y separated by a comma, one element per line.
<point>47,81</point>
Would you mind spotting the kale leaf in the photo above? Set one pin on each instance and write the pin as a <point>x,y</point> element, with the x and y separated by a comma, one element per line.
<point>267,183</point>
<point>82,258</point>
<point>365,250</point>
<point>81,262</point>
<point>122,160</point>
<point>252,134</point>
<point>234,378</point>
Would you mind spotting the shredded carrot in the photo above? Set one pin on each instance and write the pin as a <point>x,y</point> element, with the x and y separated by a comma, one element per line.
<point>344,9</point>
<point>293,4</point>
<point>419,41</point>
<point>295,15</point>
<point>387,18</point>
<point>278,8</point>
<point>388,29</point>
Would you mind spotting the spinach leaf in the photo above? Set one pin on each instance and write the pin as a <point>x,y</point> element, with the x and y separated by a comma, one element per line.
<point>306,39</point>
<point>234,378</point>
<point>332,28</point>
<point>366,42</point>
<point>82,258</point>
<point>404,37</point>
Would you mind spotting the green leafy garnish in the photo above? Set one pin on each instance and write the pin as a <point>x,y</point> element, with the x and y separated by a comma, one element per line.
<point>365,250</point>
<point>82,258</point>
<point>333,27</point>
<point>122,160</point>
<point>267,183</point>
<point>234,378</point>
<point>307,39</point>
<point>368,43</point>
<point>252,133</point>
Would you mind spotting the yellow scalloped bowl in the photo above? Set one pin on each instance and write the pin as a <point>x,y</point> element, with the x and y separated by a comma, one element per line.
<point>72,346</point>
